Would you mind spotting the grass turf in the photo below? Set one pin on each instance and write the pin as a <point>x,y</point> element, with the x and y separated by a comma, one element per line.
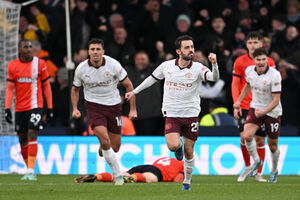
<point>203,187</point>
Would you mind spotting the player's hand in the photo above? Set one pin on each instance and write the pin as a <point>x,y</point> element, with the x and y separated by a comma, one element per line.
<point>8,116</point>
<point>132,114</point>
<point>128,95</point>
<point>237,112</point>
<point>212,58</point>
<point>50,115</point>
<point>76,114</point>
<point>259,113</point>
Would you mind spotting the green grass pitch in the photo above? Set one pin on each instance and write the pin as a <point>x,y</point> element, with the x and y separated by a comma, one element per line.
<point>203,187</point>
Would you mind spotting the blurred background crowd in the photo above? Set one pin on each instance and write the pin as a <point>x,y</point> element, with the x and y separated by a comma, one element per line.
<point>140,34</point>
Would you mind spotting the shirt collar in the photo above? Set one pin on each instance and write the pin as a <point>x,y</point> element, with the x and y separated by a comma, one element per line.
<point>103,62</point>
<point>189,65</point>
<point>262,73</point>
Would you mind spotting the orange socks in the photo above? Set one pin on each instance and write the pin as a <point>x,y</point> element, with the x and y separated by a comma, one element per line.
<point>24,152</point>
<point>138,177</point>
<point>261,150</point>
<point>105,177</point>
<point>32,153</point>
<point>246,154</point>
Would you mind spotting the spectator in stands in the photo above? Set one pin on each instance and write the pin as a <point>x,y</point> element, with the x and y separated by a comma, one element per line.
<point>120,48</point>
<point>153,24</point>
<point>61,99</point>
<point>290,95</point>
<point>218,115</point>
<point>293,12</point>
<point>149,120</point>
<point>39,52</point>
<point>286,45</point>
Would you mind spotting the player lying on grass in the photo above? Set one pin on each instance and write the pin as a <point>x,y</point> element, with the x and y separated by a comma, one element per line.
<point>162,170</point>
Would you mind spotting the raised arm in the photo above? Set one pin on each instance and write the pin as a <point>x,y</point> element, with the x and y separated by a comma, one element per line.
<point>214,74</point>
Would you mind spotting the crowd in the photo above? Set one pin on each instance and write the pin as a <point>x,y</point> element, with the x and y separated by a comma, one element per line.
<point>140,34</point>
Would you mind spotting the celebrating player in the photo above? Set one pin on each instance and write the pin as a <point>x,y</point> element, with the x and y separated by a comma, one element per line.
<point>253,41</point>
<point>99,75</point>
<point>181,100</point>
<point>265,108</point>
<point>28,75</point>
<point>162,170</point>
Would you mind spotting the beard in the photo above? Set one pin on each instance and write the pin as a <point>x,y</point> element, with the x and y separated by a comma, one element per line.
<point>187,57</point>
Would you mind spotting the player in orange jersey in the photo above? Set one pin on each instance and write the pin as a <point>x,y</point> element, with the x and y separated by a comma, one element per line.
<point>29,77</point>
<point>254,40</point>
<point>162,170</point>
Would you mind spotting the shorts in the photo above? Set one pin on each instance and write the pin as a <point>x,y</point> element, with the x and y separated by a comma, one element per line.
<point>108,116</point>
<point>241,123</point>
<point>147,168</point>
<point>272,125</point>
<point>31,119</point>
<point>187,127</point>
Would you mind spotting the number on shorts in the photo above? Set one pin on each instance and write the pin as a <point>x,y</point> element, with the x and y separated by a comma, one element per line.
<point>274,127</point>
<point>164,162</point>
<point>194,126</point>
<point>119,121</point>
<point>35,118</point>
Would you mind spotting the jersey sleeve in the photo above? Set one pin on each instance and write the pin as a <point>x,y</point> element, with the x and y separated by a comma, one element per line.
<point>237,69</point>
<point>10,72</point>
<point>158,73</point>
<point>77,78</point>
<point>276,83</point>
<point>247,75</point>
<point>120,71</point>
<point>44,71</point>
<point>203,72</point>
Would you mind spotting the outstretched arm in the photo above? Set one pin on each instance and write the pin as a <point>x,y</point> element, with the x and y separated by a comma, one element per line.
<point>145,84</point>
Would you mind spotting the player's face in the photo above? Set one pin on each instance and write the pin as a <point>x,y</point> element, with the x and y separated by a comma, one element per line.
<point>261,63</point>
<point>26,50</point>
<point>187,51</point>
<point>95,52</point>
<point>252,44</point>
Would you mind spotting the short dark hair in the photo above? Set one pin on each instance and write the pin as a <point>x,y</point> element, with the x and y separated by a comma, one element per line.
<point>254,35</point>
<point>96,41</point>
<point>21,41</point>
<point>259,52</point>
<point>180,39</point>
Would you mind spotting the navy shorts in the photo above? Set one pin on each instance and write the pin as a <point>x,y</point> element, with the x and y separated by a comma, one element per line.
<point>187,127</point>
<point>147,168</point>
<point>31,119</point>
<point>241,123</point>
<point>108,116</point>
<point>272,125</point>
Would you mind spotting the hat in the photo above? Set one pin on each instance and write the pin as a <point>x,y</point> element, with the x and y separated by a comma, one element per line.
<point>184,17</point>
<point>62,74</point>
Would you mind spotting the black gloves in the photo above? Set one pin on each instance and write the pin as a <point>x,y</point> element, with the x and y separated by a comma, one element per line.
<point>8,116</point>
<point>50,115</point>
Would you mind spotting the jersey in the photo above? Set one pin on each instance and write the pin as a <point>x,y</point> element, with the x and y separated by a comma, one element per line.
<point>181,88</point>
<point>262,87</point>
<point>240,65</point>
<point>100,84</point>
<point>28,78</point>
<point>169,167</point>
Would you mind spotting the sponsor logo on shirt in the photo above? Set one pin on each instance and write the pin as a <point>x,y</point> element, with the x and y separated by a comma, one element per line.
<point>104,83</point>
<point>25,80</point>
<point>189,75</point>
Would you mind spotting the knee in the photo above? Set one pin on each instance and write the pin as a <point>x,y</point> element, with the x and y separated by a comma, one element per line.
<point>173,146</point>
<point>273,148</point>
<point>260,141</point>
<point>115,147</point>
